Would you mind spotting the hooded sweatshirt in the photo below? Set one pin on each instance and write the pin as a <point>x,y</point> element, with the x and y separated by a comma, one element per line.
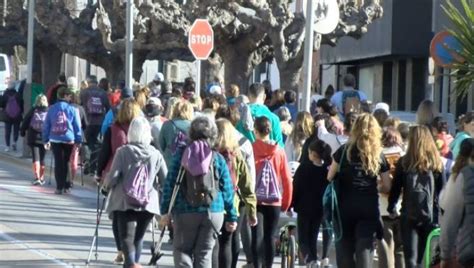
<point>455,145</point>
<point>258,110</point>
<point>124,166</point>
<point>277,157</point>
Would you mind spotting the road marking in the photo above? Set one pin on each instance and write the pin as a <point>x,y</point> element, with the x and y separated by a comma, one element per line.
<point>24,245</point>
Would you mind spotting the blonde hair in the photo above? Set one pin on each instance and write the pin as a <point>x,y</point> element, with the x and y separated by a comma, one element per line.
<point>426,113</point>
<point>170,104</point>
<point>226,139</point>
<point>183,110</point>
<point>303,128</point>
<point>392,122</point>
<point>141,98</point>
<point>41,101</point>
<point>422,153</point>
<point>84,84</point>
<point>233,91</point>
<point>366,137</point>
<point>196,102</point>
<point>128,111</point>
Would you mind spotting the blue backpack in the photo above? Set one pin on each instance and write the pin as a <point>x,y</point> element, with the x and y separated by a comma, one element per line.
<point>331,213</point>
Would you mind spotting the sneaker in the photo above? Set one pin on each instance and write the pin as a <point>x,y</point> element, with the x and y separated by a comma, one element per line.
<point>7,150</point>
<point>67,191</point>
<point>119,258</point>
<point>14,147</point>
<point>42,182</point>
<point>36,182</point>
<point>58,191</point>
<point>325,263</point>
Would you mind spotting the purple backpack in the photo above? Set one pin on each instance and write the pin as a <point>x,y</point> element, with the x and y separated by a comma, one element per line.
<point>13,109</point>
<point>95,106</point>
<point>136,189</point>
<point>59,124</point>
<point>37,120</point>
<point>266,188</point>
<point>180,141</point>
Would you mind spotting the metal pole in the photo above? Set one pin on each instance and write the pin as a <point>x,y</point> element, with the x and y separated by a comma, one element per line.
<point>30,44</point>
<point>198,82</point>
<point>308,55</point>
<point>129,45</point>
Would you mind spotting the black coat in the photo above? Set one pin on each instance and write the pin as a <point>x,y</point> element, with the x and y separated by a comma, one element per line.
<point>309,183</point>
<point>33,137</point>
<point>4,100</point>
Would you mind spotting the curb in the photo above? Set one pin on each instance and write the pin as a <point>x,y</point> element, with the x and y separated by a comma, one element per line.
<point>26,164</point>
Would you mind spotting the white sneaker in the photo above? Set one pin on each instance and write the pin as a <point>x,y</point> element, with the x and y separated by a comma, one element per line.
<point>325,263</point>
<point>7,149</point>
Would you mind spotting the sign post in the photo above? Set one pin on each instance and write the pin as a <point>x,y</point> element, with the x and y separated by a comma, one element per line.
<point>201,44</point>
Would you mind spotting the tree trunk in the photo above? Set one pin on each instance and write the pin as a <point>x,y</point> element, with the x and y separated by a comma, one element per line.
<point>138,60</point>
<point>289,77</point>
<point>237,69</point>
<point>114,72</point>
<point>211,70</point>
<point>50,64</point>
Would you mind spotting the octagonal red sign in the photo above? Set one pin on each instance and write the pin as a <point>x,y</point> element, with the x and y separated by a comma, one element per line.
<point>201,39</point>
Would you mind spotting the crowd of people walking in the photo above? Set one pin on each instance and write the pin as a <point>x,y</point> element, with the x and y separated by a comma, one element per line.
<point>220,170</point>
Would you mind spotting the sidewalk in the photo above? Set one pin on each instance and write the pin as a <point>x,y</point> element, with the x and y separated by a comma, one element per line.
<point>16,157</point>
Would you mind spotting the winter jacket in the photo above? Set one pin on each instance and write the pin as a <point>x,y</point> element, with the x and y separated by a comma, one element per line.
<point>33,137</point>
<point>95,119</point>
<point>457,217</point>
<point>310,182</point>
<point>258,110</point>
<point>167,136</point>
<point>73,133</point>
<point>114,137</point>
<point>277,158</point>
<point>246,150</point>
<point>223,202</point>
<point>4,101</point>
<point>126,162</point>
<point>82,115</point>
<point>108,119</point>
<point>455,145</point>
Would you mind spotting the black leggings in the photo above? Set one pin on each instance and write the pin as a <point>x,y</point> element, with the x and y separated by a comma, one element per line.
<point>414,242</point>
<point>115,231</point>
<point>15,126</point>
<point>38,152</point>
<point>62,153</point>
<point>263,246</point>
<point>132,227</point>
<point>308,230</point>
<point>229,246</point>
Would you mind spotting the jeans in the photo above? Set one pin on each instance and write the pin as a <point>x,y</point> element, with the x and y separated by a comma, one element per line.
<point>62,153</point>
<point>263,244</point>
<point>194,238</point>
<point>390,248</point>
<point>414,242</point>
<point>38,153</point>
<point>92,141</point>
<point>9,126</point>
<point>132,226</point>
<point>308,230</point>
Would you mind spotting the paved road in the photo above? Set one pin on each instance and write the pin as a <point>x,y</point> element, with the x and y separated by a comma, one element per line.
<point>41,229</point>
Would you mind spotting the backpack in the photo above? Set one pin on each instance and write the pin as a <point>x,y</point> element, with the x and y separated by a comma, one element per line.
<point>94,105</point>
<point>351,101</point>
<point>419,197</point>
<point>136,189</point>
<point>37,120</point>
<point>432,255</point>
<point>180,141</point>
<point>267,187</point>
<point>59,125</point>
<point>200,190</point>
<point>230,161</point>
<point>13,109</point>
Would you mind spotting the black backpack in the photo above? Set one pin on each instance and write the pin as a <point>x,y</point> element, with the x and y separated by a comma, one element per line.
<point>419,197</point>
<point>201,190</point>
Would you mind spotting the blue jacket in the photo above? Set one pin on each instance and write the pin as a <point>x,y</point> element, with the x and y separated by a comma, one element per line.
<point>73,133</point>
<point>108,120</point>
<point>223,202</point>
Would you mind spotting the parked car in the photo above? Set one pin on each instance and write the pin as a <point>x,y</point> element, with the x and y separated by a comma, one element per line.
<point>5,72</point>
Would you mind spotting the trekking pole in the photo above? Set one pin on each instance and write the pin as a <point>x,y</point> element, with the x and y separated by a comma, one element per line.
<point>95,239</point>
<point>50,171</point>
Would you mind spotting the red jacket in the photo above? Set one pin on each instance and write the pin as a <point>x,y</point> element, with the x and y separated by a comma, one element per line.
<point>277,157</point>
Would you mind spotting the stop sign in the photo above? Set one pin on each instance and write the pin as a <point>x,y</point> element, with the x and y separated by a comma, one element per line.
<point>201,39</point>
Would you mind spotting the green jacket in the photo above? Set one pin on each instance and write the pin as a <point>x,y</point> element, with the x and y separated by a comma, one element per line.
<point>246,186</point>
<point>258,110</point>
